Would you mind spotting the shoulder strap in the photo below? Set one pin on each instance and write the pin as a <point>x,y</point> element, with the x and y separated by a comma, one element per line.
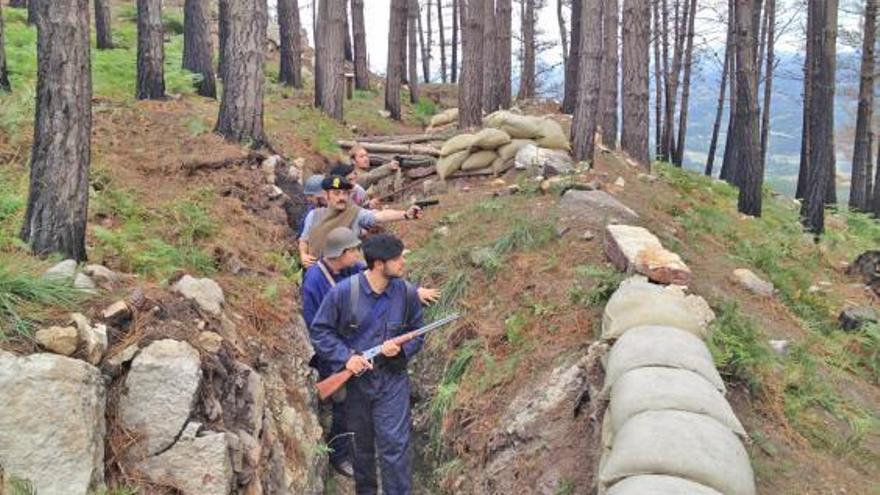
<point>353,296</point>
<point>326,273</point>
<point>411,294</point>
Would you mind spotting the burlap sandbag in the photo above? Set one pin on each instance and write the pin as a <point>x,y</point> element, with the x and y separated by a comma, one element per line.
<point>638,302</point>
<point>500,165</point>
<point>450,164</point>
<point>660,346</point>
<point>479,160</point>
<point>552,135</point>
<point>680,444</point>
<point>462,142</point>
<point>447,116</point>
<point>516,126</point>
<point>653,389</point>
<point>491,139</point>
<point>657,484</point>
<point>508,151</point>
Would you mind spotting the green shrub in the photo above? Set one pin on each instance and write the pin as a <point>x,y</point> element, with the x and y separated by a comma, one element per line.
<point>738,348</point>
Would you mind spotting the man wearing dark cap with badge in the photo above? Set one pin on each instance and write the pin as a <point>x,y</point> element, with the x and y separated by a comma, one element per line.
<point>341,212</point>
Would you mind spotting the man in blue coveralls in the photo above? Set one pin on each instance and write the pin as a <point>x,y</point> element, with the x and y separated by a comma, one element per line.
<point>361,312</point>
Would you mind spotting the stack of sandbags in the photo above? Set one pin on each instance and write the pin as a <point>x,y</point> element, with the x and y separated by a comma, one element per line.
<point>490,150</point>
<point>668,427</point>
<point>443,120</point>
<point>544,131</point>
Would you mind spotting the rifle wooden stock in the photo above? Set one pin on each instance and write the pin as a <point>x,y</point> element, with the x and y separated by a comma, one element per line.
<point>332,383</point>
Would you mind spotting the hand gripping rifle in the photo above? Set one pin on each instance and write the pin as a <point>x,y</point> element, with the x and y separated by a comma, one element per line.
<point>332,383</point>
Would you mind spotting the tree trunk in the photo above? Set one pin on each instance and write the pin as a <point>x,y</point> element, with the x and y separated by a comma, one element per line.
<point>583,126</point>
<point>4,73</point>
<point>58,198</point>
<point>730,160</point>
<point>768,81</point>
<point>18,4</point>
<point>875,196</point>
<point>424,49</point>
<point>413,19</point>
<point>823,38</point>
<point>361,72</point>
<point>453,75</point>
<point>346,33</point>
<point>441,33</point>
<point>862,150</point>
<point>563,32</point>
<point>658,79</point>
<point>198,52</point>
<point>716,127</point>
<point>490,103</point>
<point>673,79</point>
<point>503,52</point>
<point>320,21</point>
<point>32,9</point>
<point>290,66</point>
<point>429,57</point>
<point>103,26</point>
<point>746,123</point>
<point>678,156</point>
<point>150,51</point>
<point>636,86</point>
<point>331,27</point>
<point>610,66</point>
<point>471,83</point>
<point>569,99</point>
<point>222,36</point>
<point>663,35</point>
<point>805,113</point>
<point>869,173</point>
<point>395,69</point>
<point>527,77</point>
<point>241,106</point>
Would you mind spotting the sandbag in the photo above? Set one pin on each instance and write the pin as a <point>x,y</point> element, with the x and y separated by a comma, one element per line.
<point>552,136</point>
<point>450,164</point>
<point>479,160</point>
<point>447,116</point>
<point>639,302</point>
<point>491,139</point>
<point>516,126</point>
<point>653,389</point>
<point>508,151</point>
<point>462,142</point>
<point>660,346</point>
<point>657,484</point>
<point>680,444</point>
<point>500,165</point>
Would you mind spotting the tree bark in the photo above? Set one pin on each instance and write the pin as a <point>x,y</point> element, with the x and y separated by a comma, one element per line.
<point>241,106</point>
<point>471,83</point>
<point>823,38</point>
<point>673,79</point>
<point>150,51</point>
<point>395,69</point>
<point>32,9</point>
<point>636,85</point>
<point>346,33</point>
<point>413,19</point>
<point>103,26</point>
<point>490,103</point>
<point>584,123</point>
<point>198,52</point>
<point>805,113</point>
<point>361,72</point>
<point>441,33</point>
<point>716,127</point>
<point>290,65</point>
<point>527,77</point>
<point>731,160</point>
<point>453,75</point>
<point>746,123</point>
<point>503,52</point>
<point>875,196</point>
<point>331,27</point>
<point>4,73</point>
<point>563,32</point>
<point>57,208</point>
<point>768,80</point>
<point>18,4</point>
<point>222,36</point>
<point>610,67</point>
<point>569,99</point>
<point>858,196</point>
<point>658,79</point>
<point>869,173</point>
<point>319,8</point>
<point>424,50</point>
<point>429,57</point>
<point>678,156</point>
<point>663,35</point>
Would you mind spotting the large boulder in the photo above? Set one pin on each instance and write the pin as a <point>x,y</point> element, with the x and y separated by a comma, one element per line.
<point>206,293</point>
<point>752,282</point>
<point>63,270</point>
<point>195,465</point>
<point>52,423</point>
<point>159,393</point>
<point>857,317</point>
<point>597,207</point>
<point>636,250</point>
<point>543,161</point>
<point>60,340</point>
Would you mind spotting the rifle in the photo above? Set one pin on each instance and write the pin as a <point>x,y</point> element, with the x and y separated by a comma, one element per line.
<point>332,383</point>
<point>424,203</point>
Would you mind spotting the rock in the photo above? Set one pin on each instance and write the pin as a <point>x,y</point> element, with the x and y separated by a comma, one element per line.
<point>384,114</point>
<point>204,291</point>
<point>101,273</point>
<point>113,364</point>
<point>93,338</point>
<point>752,282</point>
<point>442,231</point>
<point>64,269</point>
<point>60,340</point>
<point>84,283</point>
<point>116,313</point>
<point>554,183</point>
<point>620,182</point>
<point>268,168</point>
<point>52,423</point>
<point>855,318</point>
<point>194,465</point>
<point>210,342</point>
<point>160,389</point>
<point>498,183</point>
<point>513,189</point>
<point>635,249</point>
<point>542,160</point>
<point>780,347</point>
<point>482,257</point>
<point>650,178</point>
<point>561,231</point>
<point>597,207</point>
<point>588,235</point>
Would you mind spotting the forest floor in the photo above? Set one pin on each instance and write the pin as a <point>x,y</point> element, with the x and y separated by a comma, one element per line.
<point>813,414</point>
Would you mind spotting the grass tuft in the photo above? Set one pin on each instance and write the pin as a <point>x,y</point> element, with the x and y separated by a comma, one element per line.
<point>26,297</point>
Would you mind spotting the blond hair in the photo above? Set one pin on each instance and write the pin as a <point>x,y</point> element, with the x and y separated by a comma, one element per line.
<point>354,150</point>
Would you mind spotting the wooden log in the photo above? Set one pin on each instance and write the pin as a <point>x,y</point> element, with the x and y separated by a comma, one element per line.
<point>421,172</point>
<point>407,138</point>
<point>471,173</point>
<point>407,149</point>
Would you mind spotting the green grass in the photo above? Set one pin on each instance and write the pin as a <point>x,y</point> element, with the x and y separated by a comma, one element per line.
<point>447,389</point>
<point>739,350</point>
<point>595,285</point>
<point>26,297</point>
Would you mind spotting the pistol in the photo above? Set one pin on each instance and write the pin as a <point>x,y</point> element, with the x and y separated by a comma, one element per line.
<point>424,203</point>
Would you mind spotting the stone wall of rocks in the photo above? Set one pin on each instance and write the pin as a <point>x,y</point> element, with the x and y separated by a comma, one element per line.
<point>667,427</point>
